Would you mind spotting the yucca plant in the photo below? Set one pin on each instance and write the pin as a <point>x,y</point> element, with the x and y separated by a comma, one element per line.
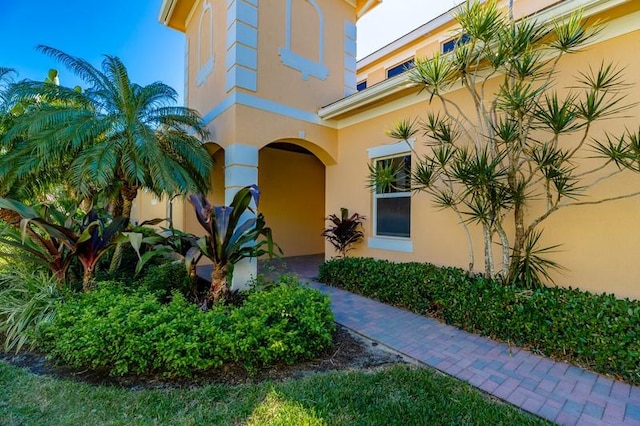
<point>233,233</point>
<point>532,269</point>
<point>345,231</point>
<point>27,299</point>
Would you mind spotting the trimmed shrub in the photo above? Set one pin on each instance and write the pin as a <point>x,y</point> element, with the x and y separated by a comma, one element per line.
<point>596,331</point>
<point>399,284</point>
<point>285,324</point>
<point>137,334</point>
<point>162,280</point>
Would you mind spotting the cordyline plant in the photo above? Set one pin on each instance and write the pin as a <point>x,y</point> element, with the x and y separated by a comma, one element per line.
<point>524,136</point>
<point>51,238</point>
<point>345,231</point>
<point>232,235</point>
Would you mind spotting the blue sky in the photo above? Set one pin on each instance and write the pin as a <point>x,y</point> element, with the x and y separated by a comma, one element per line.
<point>89,29</point>
<point>130,30</point>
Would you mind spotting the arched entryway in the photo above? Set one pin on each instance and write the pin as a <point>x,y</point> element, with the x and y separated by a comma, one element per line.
<point>292,184</point>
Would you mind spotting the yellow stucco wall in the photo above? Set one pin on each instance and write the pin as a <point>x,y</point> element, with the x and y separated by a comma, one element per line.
<point>598,242</point>
<point>147,206</point>
<point>292,199</point>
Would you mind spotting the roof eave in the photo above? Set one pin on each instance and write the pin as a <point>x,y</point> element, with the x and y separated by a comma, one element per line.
<point>371,94</point>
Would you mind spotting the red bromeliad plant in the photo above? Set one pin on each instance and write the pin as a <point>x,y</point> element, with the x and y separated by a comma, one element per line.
<point>231,236</point>
<point>54,239</point>
<point>345,231</point>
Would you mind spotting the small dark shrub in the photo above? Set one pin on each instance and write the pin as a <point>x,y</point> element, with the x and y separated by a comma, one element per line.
<point>344,231</point>
<point>596,331</point>
<point>127,269</point>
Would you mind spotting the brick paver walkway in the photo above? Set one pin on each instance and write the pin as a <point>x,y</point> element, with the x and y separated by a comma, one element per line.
<point>556,391</point>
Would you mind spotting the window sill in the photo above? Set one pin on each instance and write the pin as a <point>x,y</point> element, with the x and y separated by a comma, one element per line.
<point>404,245</point>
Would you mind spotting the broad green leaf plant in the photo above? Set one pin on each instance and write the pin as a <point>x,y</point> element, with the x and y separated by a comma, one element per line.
<point>54,239</point>
<point>233,233</point>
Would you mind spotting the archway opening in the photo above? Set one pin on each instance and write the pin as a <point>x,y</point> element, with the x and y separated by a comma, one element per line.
<point>292,185</point>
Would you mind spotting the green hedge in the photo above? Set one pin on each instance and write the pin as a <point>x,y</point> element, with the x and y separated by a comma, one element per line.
<point>596,331</point>
<point>136,334</point>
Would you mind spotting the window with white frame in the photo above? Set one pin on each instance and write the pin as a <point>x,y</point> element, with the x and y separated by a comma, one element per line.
<point>392,199</point>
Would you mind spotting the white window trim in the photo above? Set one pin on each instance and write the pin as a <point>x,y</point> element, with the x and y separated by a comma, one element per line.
<point>381,242</point>
<point>391,149</point>
<point>204,69</point>
<point>404,245</point>
<point>306,66</point>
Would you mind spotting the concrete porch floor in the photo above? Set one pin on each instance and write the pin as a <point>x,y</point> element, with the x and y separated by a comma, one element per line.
<point>304,267</point>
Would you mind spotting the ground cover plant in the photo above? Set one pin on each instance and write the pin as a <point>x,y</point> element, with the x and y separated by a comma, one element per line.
<point>395,396</point>
<point>134,332</point>
<point>597,331</point>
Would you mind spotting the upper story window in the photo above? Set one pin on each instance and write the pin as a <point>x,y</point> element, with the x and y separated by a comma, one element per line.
<point>362,85</point>
<point>449,45</point>
<point>399,69</point>
<point>392,203</point>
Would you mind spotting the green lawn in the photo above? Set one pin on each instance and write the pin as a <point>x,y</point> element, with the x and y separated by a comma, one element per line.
<point>395,396</point>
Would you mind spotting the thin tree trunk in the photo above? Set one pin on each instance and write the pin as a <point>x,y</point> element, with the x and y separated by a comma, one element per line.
<point>488,255</point>
<point>518,242</point>
<point>117,205</point>
<point>128,195</point>
<point>87,279</point>
<point>469,240</point>
<point>219,288</point>
<point>506,250</point>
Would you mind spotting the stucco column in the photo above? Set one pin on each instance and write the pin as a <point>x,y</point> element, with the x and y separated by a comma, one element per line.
<point>241,169</point>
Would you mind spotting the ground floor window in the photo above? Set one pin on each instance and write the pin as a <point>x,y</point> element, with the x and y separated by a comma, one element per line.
<point>392,199</point>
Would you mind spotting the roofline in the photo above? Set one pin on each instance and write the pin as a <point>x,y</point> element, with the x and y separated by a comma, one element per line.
<point>370,4</point>
<point>371,94</point>
<point>166,9</point>
<point>398,83</point>
<point>421,31</point>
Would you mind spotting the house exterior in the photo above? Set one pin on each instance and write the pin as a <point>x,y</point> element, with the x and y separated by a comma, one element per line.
<point>290,109</point>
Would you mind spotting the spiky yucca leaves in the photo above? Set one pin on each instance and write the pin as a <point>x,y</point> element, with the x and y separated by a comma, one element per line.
<point>345,231</point>
<point>27,300</point>
<point>115,132</point>
<point>533,268</point>
<point>234,232</point>
<point>505,146</point>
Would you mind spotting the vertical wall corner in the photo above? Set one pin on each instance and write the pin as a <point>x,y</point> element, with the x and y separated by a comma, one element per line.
<point>350,51</point>
<point>242,45</point>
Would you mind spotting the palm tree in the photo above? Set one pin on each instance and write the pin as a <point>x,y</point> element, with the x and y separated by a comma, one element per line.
<point>7,216</point>
<point>115,136</point>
